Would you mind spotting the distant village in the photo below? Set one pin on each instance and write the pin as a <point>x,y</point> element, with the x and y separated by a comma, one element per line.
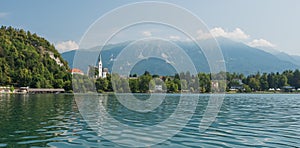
<point>235,85</point>
<point>93,71</point>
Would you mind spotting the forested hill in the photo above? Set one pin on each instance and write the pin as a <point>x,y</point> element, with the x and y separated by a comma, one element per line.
<point>29,60</point>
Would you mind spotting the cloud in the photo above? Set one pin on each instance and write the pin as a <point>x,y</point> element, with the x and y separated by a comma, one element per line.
<point>66,46</point>
<point>147,33</point>
<point>3,14</point>
<point>261,43</point>
<point>174,37</point>
<point>236,34</point>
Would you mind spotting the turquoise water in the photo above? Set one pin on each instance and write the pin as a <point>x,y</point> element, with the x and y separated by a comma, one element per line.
<point>244,120</point>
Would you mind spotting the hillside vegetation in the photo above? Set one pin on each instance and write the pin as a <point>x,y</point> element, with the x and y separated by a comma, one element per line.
<point>29,60</point>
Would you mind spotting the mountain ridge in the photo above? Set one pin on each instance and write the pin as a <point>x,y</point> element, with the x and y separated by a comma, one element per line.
<point>238,57</point>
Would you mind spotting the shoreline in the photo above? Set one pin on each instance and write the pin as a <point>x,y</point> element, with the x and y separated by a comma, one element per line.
<point>109,93</point>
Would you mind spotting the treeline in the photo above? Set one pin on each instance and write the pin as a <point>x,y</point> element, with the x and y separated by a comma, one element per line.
<point>265,81</point>
<point>147,83</point>
<point>25,61</point>
<point>136,84</point>
<point>185,82</point>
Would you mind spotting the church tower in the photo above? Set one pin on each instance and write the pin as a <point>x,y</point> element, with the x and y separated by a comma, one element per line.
<point>100,74</point>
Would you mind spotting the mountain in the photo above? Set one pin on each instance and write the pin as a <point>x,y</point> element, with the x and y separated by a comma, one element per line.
<point>109,53</point>
<point>238,57</point>
<point>29,60</point>
<point>296,59</point>
<point>289,58</point>
<point>269,50</point>
<point>245,59</point>
<point>282,55</point>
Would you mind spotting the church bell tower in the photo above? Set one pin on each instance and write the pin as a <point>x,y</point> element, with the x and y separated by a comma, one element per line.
<point>100,67</point>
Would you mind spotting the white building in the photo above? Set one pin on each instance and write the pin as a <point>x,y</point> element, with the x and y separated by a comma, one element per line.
<point>102,72</point>
<point>158,88</point>
<point>56,59</point>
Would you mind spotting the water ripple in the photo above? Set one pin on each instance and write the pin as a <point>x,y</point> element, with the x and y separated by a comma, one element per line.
<point>243,121</point>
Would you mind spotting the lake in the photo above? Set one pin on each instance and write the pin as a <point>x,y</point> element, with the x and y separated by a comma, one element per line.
<point>244,120</point>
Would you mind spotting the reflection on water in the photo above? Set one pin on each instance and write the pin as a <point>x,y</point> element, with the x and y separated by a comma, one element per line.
<point>244,120</point>
<point>136,128</point>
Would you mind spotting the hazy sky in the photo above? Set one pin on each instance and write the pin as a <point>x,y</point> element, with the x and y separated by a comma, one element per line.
<point>268,23</point>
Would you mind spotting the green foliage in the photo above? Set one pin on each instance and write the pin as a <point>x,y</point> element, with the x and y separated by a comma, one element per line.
<point>201,83</point>
<point>12,89</point>
<point>102,84</point>
<point>83,84</point>
<point>205,82</point>
<point>254,84</point>
<point>247,88</point>
<point>134,85</point>
<point>264,82</point>
<point>144,81</point>
<point>25,61</point>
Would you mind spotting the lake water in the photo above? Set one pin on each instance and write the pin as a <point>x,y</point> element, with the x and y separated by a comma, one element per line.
<point>244,120</point>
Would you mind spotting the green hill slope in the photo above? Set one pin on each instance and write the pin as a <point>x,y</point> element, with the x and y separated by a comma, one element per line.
<point>29,60</point>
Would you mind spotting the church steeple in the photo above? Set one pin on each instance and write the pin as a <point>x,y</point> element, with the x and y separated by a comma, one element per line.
<point>100,74</point>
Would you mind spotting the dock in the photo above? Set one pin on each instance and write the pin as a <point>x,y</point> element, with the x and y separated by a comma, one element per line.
<point>45,90</point>
<point>40,90</point>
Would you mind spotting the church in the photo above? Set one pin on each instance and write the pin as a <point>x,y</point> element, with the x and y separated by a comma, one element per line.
<point>98,71</point>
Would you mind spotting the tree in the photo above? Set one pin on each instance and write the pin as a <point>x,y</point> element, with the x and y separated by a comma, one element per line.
<point>59,83</point>
<point>67,85</point>
<point>177,82</point>
<point>184,85</point>
<point>290,75</point>
<point>101,84</point>
<point>125,85</point>
<point>204,82</point>
<point>282,81</point>
<point>134,85</point>
<point>171,87</point>
<point>271,80</point>
<point>264,85</point>
<point>254,84</point>
<point>188,77</point>
<point>144,82</point>
<point>296,78</point>
<point>247,88</point>
<point>25,60</point>
<point>12,89</point>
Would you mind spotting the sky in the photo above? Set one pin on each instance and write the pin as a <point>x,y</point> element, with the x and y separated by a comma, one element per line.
<point>265,24</point>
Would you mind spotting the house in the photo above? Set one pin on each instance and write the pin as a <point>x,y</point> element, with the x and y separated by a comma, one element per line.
<point>236,88</point>
<point>288,88</point>
<point>23,90</point>
<point>158,88</point>
<point>215,84</point>
<point>271,89</point>
<point>105,72</point>
<point>98,71</point>
<point>56,59</point>
<point>76,71</point>
<point>4,89</point>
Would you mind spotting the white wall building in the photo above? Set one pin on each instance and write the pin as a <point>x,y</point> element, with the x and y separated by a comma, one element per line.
<point>102,72</point>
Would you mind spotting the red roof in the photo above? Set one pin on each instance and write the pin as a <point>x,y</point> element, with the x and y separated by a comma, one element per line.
<point>75,70</point>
